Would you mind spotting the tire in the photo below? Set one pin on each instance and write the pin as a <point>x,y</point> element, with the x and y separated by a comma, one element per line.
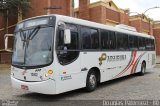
<point>91,82</point>
<point>143,69</point>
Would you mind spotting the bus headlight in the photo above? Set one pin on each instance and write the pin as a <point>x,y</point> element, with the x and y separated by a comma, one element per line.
<point>46,75</point>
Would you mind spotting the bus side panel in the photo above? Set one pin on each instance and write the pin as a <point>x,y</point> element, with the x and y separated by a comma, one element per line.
<point>133,65</point>
<point>91,60</point>
<point>151,60</point>
<point>116,63</point>
<point>110,67</point>
<point>70,76</point>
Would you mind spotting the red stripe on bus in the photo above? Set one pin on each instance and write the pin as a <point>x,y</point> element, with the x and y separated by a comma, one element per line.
<point>133,58</point>
<point>136,63</point>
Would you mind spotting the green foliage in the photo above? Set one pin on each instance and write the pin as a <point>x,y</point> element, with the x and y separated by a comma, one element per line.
<point>73,3</point>
<point>14,7</point>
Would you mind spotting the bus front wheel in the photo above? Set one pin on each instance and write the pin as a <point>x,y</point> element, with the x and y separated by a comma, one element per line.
<point>91,82</point>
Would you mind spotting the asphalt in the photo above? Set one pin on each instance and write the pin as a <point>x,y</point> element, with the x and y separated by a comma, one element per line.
<point>5,67</point>
<point>132,87</point>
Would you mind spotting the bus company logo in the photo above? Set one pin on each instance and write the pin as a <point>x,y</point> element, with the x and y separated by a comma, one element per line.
<point>102,58</point>
<point>24,72</point>
<point>107,58</point>
<point>66,77</point>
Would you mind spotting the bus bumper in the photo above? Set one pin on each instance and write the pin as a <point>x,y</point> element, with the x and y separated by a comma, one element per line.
<point>44,87</point>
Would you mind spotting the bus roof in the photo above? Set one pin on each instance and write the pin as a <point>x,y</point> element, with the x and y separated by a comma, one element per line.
<point>91,24</point>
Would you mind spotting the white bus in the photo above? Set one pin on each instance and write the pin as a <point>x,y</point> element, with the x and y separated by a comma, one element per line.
<point>54,54</point>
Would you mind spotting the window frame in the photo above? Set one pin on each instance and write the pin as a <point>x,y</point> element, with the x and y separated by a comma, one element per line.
<point>100,49</point>
<point>79,44</point>
<point>144,43</point>
<point>133,43</point>
<point>81,37</point>
<point>123,35</point>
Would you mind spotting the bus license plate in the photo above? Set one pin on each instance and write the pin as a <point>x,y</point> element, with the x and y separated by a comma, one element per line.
<point>24,87</point>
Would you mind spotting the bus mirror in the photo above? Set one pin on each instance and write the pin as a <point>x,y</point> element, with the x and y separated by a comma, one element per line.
<point>6,37</point>
<point>67,36</point>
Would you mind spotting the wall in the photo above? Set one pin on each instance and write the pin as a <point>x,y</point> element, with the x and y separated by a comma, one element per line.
<point>5,57</point>
<point>84,12</point>
<point>1,32</point>
<point>38,7</point>
<point>156,33</point>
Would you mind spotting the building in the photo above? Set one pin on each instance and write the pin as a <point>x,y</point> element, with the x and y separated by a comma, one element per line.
<point>43,7</point>
<point>39,7</point>
<point>103,11</point>
<point>106,12</point>
<point>142,23</point>
<point>156,33</point>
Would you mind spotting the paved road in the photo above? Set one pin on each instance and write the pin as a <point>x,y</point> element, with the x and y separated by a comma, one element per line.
<point>128,88</point>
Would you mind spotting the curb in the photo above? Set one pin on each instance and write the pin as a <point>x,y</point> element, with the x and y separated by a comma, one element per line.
<point>4,66</point>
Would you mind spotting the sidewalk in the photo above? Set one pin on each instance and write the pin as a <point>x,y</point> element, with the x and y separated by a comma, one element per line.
<point>158,60</point>
<point>4,66</point>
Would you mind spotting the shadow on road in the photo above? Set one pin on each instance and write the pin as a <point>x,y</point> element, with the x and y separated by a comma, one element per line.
<point>75,93</point>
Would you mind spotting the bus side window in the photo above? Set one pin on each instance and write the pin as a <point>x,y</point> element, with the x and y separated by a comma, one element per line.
<point>152,44</point>
<point>119,41</point>
<point>60,39</point>
<point>148,44</point>
<point>94,39</point>
<point>74,39</point>
<point>141,43</point>
<point>86,39</point>
<point>104,40</point>
<point>133,42</point>
<point>136,42</point>
<point>112,40</point>
<point>125,39</point>
<point>122,41</point>
<point>90,38</point>
<point>68,52</point>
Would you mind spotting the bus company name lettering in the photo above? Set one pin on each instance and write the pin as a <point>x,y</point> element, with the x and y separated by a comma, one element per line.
<point>37,70</point>
<point>116,58</point>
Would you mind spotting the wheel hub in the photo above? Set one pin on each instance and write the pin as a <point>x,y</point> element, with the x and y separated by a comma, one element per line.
<point>92,80</point>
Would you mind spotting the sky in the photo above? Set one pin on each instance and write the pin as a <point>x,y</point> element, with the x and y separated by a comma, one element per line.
<point>138,6</point>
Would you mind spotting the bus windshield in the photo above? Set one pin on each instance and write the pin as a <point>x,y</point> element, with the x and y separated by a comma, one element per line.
<point>33,47</point>
<point>35,51</point>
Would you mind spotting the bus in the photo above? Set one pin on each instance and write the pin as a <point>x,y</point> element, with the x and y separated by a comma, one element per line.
<point>53,54</point>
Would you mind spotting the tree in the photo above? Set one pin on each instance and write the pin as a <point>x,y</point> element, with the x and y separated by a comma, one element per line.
<point>73,3</point>
<point>13,8</point>
<point>22,6</point>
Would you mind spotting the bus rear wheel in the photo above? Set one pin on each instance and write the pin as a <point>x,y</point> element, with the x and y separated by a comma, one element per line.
<point>143,69</point>
<point>91,82</point>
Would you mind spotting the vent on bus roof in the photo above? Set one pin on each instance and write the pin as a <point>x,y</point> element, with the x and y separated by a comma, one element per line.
<point>126,27</point>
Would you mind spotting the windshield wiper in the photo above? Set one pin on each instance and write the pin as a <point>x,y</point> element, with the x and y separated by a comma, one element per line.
<point>30,36</point>
<point>34,32</point>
